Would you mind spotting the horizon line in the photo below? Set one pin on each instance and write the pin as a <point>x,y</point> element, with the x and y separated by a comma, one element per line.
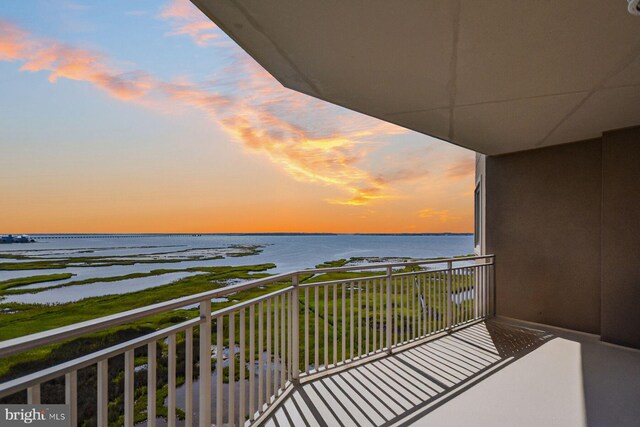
<point>244,233</point>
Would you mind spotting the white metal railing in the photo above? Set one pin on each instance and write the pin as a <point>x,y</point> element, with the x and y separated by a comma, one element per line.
<point>266,344</point>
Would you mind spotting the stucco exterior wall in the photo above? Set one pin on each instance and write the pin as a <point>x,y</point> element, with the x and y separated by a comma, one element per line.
<point>543,224</point>
<point>621,237</point>
<point>564,224</point>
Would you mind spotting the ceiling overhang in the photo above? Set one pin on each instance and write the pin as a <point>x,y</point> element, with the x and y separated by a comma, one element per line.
<point>494,76</point>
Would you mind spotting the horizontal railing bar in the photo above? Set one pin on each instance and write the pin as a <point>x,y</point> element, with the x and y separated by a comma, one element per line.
<point>245,304</point>
<point>356,279</point>
<point>339,281</point>
<point>47,374</point>
<point>441,270</point>
<point>409,273</point>
<point>52,336</point>
<point>394,264</point>
<point>33,341</point>
<point>413,273</point>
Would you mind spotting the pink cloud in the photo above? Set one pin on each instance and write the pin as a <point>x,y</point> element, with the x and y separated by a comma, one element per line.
<point>186,20</point>
<point>330,159</point>
<point>12,41</point>
<point>310,140</point>
<point>64,61</point>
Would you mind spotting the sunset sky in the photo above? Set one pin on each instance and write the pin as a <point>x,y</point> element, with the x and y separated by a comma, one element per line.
<point>142,116</point>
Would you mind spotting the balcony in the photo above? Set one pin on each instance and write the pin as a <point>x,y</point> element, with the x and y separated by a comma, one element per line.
<point>377,344</point>
<point>404,387</point>
<point>490,373</point>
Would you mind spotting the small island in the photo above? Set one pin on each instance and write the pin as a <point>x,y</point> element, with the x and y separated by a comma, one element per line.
<point>21,238</point>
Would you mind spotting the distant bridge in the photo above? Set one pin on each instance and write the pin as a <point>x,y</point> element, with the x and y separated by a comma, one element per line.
<point>91,236</point>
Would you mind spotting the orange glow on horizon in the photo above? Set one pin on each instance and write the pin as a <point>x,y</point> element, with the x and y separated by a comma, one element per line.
<point>264,169</point>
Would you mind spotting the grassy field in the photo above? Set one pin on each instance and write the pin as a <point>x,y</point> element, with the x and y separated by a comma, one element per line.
<point>158,272</point>
<point>23,319</point>
<point>24,281</point>
<point>37,263</point>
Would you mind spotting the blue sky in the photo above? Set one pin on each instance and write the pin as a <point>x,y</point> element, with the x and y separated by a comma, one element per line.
<point>145,117</point>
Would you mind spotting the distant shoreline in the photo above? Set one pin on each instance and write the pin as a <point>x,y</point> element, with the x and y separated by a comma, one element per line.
<point>86,235</point>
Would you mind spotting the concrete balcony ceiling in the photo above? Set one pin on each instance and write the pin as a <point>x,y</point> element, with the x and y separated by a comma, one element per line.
<point>493,76</point>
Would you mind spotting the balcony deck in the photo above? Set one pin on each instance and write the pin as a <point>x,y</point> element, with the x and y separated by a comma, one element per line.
<point>492,373</point>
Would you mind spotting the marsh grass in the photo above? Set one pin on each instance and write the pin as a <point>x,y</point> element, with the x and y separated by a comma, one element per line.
<point>317,301</point>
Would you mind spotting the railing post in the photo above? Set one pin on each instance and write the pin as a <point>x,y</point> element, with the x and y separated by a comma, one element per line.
<point>449,295</point>
<point>295,357</point>
<point>33,395</point>
<point>492,283</point>
<point>205,365</point>
<point>389,327</point>
<point>477,286</point>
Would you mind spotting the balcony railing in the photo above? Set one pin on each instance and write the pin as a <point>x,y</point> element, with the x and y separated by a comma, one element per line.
<point>264,346</point>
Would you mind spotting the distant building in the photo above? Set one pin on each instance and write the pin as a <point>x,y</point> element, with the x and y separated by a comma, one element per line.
<point>21,238</point>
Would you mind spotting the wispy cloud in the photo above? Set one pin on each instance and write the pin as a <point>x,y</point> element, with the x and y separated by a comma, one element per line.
<point>186,20</point>
<point>317,156</point>
<point>310,140</point>
<point>13,41</point>
<point>269,118</point>
<point>65,61</point>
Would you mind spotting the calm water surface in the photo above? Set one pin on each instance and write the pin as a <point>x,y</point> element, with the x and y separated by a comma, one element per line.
<point>286,252</point>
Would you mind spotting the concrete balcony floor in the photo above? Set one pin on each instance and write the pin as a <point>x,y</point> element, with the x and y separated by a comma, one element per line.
<point>495,373</point>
